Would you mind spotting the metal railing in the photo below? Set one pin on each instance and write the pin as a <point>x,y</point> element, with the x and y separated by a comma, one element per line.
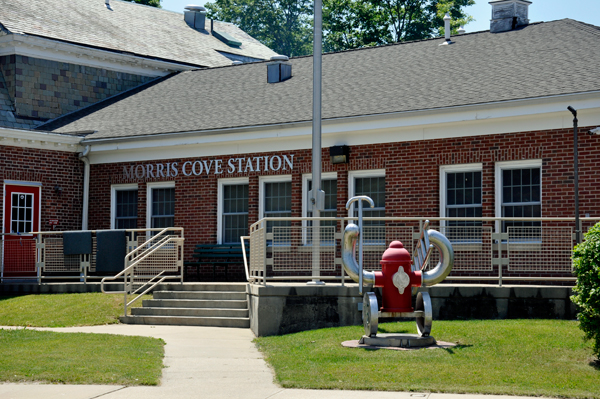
<point>155,259</point>
<point>17,257</point>
<point>284,251</point>
<point>41,256</point>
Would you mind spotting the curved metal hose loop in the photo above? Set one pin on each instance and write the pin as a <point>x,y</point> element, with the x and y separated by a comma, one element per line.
<point>351,233</point>
<point>444,266</point>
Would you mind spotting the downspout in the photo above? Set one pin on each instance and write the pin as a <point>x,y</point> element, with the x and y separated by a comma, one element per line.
<point>86,187</point>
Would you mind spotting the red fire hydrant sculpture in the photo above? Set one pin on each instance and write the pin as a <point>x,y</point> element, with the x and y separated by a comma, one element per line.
<point>399,274</point>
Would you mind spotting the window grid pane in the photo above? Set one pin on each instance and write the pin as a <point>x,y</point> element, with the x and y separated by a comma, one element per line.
<point>521,196</point>
<point>463,197</point>
<point>163,207</point>
<point>22,213</point>
<point>235,213</point>
<point>126,209</point>
<point>373,187</point>
<point>278,203</point>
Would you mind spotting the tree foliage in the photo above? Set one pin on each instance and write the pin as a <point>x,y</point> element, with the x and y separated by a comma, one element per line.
<point>153,3</point>
<point>286,25</point>
<point>586,266</point>
<point>282,25</point>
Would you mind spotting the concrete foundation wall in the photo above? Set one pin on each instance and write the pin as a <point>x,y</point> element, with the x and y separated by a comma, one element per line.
<point>285,309</point>
<point>279,309</point>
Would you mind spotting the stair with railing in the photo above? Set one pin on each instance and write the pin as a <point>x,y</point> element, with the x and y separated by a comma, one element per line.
<point>194,304</point>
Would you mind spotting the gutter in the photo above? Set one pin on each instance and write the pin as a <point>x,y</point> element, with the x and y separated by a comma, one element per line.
<point>86,187</point>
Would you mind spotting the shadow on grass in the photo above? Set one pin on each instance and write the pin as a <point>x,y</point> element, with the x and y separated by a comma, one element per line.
<point>595,364</point>
<point>4,298</point>
<point>394,331</point>
<point>452,350</point>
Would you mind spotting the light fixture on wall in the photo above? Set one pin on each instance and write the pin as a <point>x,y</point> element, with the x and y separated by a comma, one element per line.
<point>58,190</point>
<point>339,154</point>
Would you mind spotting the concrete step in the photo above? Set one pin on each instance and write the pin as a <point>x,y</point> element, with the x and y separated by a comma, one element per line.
<point>211,295</point>
<point>187,321</point>
<point>231,287</point>
<point>191,312</point>
<point>195,303</point>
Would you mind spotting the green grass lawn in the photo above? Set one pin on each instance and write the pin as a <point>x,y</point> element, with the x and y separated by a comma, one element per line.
<point>62,310</point>
<point>511,357</point>
<point>78,358</point>
<point>73,358</point>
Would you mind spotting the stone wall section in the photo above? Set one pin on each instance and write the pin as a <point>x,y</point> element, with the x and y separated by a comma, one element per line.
<point>41,89</point>
<point>51,168</point>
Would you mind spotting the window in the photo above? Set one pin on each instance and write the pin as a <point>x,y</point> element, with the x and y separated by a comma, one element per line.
<point>519,192</point>
<point>22,213</point>
<point>461,188</point>
<point>372,184</point>
<point>276,201</point>
<point>232,210</point>
<point>161,205</point>
<point>124,209</point>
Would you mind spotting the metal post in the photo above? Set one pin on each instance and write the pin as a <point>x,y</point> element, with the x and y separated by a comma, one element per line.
<point>576,174</point>
<point>316,139</point>
<point>360,248</point>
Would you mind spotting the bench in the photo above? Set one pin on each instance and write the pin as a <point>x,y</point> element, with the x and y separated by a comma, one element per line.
<point>215,255</point>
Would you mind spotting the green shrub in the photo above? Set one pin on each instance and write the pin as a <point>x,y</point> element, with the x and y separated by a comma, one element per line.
<point>586,267</point>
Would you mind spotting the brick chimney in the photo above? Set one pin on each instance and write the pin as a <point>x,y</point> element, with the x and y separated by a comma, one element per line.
<point>509,14</point>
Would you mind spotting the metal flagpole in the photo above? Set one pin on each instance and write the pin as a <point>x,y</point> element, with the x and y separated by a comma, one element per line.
<point>317,197</point>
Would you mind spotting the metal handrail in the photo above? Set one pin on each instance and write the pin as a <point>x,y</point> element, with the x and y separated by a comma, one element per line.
<point>128,272</point>
<point>499,254</point>
<point>242,238</point>
<point>409,219</point>
<point>149,247</point>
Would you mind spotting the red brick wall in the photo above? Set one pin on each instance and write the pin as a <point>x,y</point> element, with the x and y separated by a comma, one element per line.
<point>51,168</point>
<point>412,178</point>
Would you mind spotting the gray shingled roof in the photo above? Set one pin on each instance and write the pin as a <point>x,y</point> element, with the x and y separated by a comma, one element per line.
<point>543,59</point>
<point>127,28</point>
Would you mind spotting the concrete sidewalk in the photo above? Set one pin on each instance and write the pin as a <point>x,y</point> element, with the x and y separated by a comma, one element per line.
<point>200,362</point>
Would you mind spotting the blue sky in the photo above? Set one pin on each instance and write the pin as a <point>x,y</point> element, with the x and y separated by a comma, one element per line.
<point>541,10</point>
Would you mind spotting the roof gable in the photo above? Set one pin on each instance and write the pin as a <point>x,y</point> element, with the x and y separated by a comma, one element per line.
<point>127,28</point>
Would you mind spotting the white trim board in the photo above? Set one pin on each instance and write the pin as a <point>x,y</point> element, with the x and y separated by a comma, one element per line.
<point>488,119</point>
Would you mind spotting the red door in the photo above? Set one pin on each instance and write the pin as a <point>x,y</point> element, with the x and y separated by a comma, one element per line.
<point>21,217</point>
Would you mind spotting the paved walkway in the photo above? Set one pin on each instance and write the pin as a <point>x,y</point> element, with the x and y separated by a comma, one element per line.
<point>200,362</point>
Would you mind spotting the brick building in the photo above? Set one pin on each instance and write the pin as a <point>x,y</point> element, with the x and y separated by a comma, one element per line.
<point>478,127</point>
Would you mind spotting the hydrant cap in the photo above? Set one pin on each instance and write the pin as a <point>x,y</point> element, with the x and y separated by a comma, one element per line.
<point>396,252</point>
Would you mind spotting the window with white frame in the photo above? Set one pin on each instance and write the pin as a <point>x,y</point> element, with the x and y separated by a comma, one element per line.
<point>232,210</point>
<point>161,205</point>
<point>460,193</point>
<point>124,206</point>
<point>370,183</point>
<point>519,192</point>
<point>275,199</point>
